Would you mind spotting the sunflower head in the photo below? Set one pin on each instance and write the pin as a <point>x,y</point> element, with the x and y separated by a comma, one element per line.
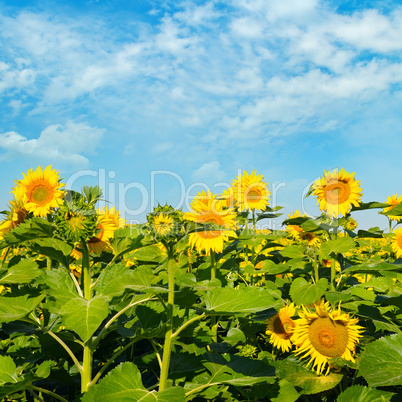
<point>393,201</point>
<point>15,216</point>
<point>397,243</point>
<point>336,192</point>
<point>350,223</point>
<point>280,328</point>
<point>324,334</point>
<point>250,191</point>
<point>214,223</point>
<point>39,191</point>
<point>165,223</point>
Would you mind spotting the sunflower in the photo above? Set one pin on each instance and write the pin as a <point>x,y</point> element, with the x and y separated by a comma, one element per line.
<point>350,224</point>
<point>325,334</point>
<point>397,243</point>
<point>393,201</point>
<point>336,192</point>
<point>294,230</point>
<point>108,222</point>
<point>163,224</point>
<point>15,216</point>
<point>280,328</point>
<point>201,198</point>
<point>250,191</point>
<point>39,190</point>
<point>212,212</point>
<point>311,238</point>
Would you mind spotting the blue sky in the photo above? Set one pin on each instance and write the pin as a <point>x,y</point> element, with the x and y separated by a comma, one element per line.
<point>155,100</point>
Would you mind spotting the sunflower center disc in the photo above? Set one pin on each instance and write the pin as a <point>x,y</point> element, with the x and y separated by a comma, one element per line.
<point>40,195</point>
<point>283,329</point>
<point>328,337</point>
<point>253,196</point>
<point>337,193</point>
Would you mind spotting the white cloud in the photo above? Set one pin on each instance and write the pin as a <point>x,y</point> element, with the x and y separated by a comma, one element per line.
<point>56,143</point>
<point>209,172</point>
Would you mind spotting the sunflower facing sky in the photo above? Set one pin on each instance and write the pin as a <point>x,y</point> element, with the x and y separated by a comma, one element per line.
<point>280,328</point>
<point>324,334</point>
<point>39,191</point>
<point>214,211</point>
<point>250,191</point>
<point>337,191</point>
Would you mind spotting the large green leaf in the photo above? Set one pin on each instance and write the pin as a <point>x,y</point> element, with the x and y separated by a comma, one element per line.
<point>374,267</point>
<point>293,251</point>
<point>149,253</point>
<point>8,370</point>
<point>124,383</point>
<point>84,317</point>
<point>53,248</point>
<point>23,272</point>
<point>341,245</point>
<point>396,210</point>
<point>300,377</point>
<point>245,300</point>
<point>381,362</point>
<point>360,393</point>
<point>14,308</point>
<point>303,292</point>
<point>32,229</point>
<point>126,240</point>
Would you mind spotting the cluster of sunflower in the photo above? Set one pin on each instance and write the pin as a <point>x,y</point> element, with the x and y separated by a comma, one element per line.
<point>319,333</point>
<point>39,194</point>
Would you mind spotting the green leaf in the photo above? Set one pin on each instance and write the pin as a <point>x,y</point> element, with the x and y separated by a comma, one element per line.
<point>287,392</point>
<point>124,383</point>
<point>113,280</point>
<point>293,251</point>
<point>149,253</point>
<point>373,267</point>
<point>272,268</point>
<point>300,377</point>
<point>60,286</point>
<point>14,308</point>
<point>126,240</point>
<point>396,210</point>
<point>8,370</point>
<point>53,248</point>
<point>23,272</point>
<point>43,370</point>
<point>83,316</point>
<point>303,292</point>
<point>369,205</point>
<point>247,300</point>
<point>360,393</point>
<point>341,245</point>
<point>32,229</point>
<point>381,362</point>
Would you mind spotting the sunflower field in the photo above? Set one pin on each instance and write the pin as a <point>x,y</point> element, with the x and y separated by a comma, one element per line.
<point>200,305</point>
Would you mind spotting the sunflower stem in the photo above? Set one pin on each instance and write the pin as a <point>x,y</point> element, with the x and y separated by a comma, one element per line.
<point>315,264</point>
<point>213,265</point>
<point>167,347</point>
<point>333,263</point>
<point>86,373</point>
<point>48,263</point>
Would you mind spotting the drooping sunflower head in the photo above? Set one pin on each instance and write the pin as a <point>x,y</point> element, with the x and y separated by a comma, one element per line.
<point>350,223</point>
<point>39,191</point>
<point>324,334</point>
<point>280,328</point>
<point>221,221</point>
<point>15,216</point>
<point>337,191</point>
<point>250,191</point>
<point>393,201</point>
<point>397,243</point>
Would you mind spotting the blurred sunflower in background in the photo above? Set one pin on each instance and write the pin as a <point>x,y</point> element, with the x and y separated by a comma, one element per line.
<point>393,201</point>
<point>397,243</point>
<point>336,192</point>
<point>39,191</point>
<point>15,216</point>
